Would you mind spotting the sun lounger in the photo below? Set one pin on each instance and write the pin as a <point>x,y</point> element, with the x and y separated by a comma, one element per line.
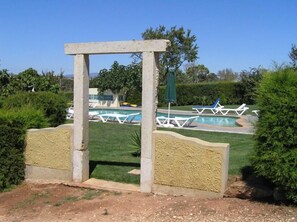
<point>256,112</point>
<point>175,121</point>
<point>70,113</point>
<point>239,111</point>
<point>213,108</point>
<point>121,118</point>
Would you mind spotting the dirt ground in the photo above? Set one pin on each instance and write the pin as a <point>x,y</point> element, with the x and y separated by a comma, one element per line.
<point>57,202</point>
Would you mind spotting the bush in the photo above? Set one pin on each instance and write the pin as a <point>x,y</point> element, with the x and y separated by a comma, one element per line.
<point>12,140</point>
<point>31,117</point>
<point>275,155</point>
<point>52,105</point>
<point>134,97</point>
<point>205,93</point>
<point>13,125</point>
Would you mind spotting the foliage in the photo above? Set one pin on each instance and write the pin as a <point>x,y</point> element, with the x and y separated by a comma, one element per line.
<point>136,142</point>
<point>24,81</point>
<point>68,95</point>
<point>30,81</point>
<point>134,96</point>
<point>227,75</point>
<point>30,116</point>
<point>49,82</point>
<point>199,94</point>
<point>53,105</point>
<point>182,48</point>
<point>12,140</point>
<point>249,83</point>
<point>200,73</point>
<point>118,78</point>
<point>293,56</point>
<point>112,79</point>
<point>275,155</point>
<point>4,81</point>
<point>205,93</point>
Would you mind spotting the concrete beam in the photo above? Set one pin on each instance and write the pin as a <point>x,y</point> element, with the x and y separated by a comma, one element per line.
<point>119,47</point>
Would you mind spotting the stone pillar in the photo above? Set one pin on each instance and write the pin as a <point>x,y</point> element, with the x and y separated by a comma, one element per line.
<point>148,125</point>
<point>81,123</point>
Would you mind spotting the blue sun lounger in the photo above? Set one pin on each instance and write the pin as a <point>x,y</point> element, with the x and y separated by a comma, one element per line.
<point>214,108</point>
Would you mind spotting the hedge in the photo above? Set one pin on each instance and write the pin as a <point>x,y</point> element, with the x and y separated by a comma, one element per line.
<point>13,126</point>
<point>53,105</point>
<point>275,156</point>
<point>201,93</point>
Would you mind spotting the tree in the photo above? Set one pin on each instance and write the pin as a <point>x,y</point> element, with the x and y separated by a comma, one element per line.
<point>182,48</point>
<point>227,75</point>
<point>118,78</point>
<point>48,81</point>
<point>293,56</point>
<point>4,81</point>
<point>25,81</point>
<point>249,83</point>
<point>199,73</point>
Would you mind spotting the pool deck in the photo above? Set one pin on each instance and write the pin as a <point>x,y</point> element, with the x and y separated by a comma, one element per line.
<point>246,122</point>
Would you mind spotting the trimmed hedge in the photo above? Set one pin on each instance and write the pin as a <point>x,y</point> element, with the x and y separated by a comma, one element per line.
<point>13,126</point>
<point>205,94</point>
<point>275,156</point>
<point>201,93</point>
<point>53,105</point>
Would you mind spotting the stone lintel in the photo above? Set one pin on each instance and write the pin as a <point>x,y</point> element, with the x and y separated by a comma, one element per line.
<point>117,47</point>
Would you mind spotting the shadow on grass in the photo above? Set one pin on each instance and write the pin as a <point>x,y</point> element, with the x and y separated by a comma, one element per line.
<point>94,163</point>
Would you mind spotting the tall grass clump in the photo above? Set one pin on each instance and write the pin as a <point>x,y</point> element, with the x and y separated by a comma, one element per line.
<point>275,156</point>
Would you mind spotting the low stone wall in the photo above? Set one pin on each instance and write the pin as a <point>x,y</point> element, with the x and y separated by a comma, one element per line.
<point>189,166</point>
<point>48,153</point>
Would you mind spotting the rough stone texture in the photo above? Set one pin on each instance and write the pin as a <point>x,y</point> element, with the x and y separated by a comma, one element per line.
<point>149,99</point>
<point>49,147</point>
<point>150,49</point>
<point>117,47</point>
<point>80,165</point>
<point>190,163</point>
<point>43,173</point>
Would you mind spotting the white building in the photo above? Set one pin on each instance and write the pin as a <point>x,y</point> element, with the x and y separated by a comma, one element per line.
<point>108,99</point>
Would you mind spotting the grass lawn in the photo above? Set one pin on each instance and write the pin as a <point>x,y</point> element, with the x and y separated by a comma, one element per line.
<point>111,154</point>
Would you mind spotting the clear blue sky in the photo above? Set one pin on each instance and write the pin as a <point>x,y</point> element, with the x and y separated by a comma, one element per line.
<point>235,34</point>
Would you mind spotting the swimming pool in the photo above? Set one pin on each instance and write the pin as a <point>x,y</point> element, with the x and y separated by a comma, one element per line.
<point>209,120</point>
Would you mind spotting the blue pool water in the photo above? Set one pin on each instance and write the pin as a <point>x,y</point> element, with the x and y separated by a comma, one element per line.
<point>209,120</point>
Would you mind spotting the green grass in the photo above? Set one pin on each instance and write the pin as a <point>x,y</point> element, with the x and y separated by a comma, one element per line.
<point>111,151</point>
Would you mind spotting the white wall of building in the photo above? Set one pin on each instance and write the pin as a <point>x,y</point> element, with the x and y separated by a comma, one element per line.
<point>108,99</point>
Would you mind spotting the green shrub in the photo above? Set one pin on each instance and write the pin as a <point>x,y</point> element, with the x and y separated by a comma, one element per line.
<point>30,116</point>
<point>275,155</point>
<point>134,97</point>
<point>205,93</point>
<point>136,143</point>
<point>12,140</point>
<point>53,105</point>
<point>68,95</point>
